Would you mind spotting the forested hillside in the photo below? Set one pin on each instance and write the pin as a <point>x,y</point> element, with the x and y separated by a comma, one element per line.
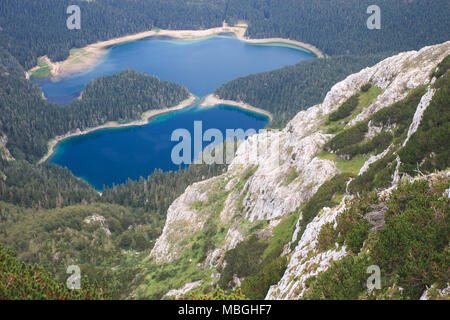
<point>34,28</point>
<point>339,27</point>
<point>250,218</point>
<point>286,91</point>
<point>30,122</point>
<point>95,232</point>
<point>42,186</point>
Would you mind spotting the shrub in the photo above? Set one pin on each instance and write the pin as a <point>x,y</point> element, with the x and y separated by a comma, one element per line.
<point>379,175</point>
<point>400,113</point>
<point>429,146</point>
<point>327,237</point>
<point>343,280</point>
<point>413,246</point>
<point>347,137</point>
<point>377,144</point>
<point>366,87</point>
<point>242,260</point>
<point>345,109</point>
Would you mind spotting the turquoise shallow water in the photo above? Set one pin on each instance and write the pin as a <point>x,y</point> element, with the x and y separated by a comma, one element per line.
<point>111,156</point>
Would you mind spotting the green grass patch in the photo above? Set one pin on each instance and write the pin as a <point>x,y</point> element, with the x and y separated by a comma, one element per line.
<point>366,98</point>
<point>379,175</point>
<point>351,166</point>
<point>43,72</point>
<point>292,175</point>
<point>76,51</point>
<point>337,120</point>
<point>400,113</point>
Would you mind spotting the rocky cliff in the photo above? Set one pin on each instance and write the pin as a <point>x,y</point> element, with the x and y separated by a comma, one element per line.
<point>300,179</point>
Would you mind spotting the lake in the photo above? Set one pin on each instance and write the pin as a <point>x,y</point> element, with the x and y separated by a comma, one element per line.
<point>111,156</point>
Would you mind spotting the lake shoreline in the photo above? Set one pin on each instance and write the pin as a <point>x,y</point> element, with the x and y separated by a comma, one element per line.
<point>145,119</point>
<point>84,58</point>
<point>213,100</point>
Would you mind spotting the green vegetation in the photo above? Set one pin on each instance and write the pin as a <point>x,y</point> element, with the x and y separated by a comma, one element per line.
<point>337,120</point>
<point>400,113</point>
<point>349,142</point>
<point>379,175</point>
<point>366,87</point>
<point>442,68</point>
<point>43,186</point>
<point>352,166</point>
<point>377,144</point>
<point>213,233</point>
<point>429,148</point>
<point>95,237</point>
<point>341,281</point>
<point>41,236</point>
<point>347,137</point>
<point>323,198</point>
<point>350,149</point>
<point>48,216</point>
<point>30,122</point>
<point>217,294</point>
<point>272,265</point>
<point>367,95</point>
<point>292,175</point>
<point>345,109</point>
<point>429,143</point>
<point>411,249</point>
<point>156,193</point>
<point>156,279</point>
<point>287,91</point>
<point>264,266</point>
<point>23,281</point>
<point>43,71</point>
<point>352,229</point>
<point>332,26</point>
<point>241,184</point>
<point>243,260</point>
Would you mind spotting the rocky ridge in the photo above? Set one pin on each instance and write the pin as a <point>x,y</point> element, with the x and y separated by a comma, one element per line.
<point>287,172</point>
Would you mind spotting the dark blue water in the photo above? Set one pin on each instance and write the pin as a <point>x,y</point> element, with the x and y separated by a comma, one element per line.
<point>200,65</point>
<point>112,156</point>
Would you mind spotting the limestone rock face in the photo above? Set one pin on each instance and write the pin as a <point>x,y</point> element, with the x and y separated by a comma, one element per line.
<point>4,152</point>
<point>394,76</point>
<point>181,222</point>
<point>280,171</point>
<point>305,262</point>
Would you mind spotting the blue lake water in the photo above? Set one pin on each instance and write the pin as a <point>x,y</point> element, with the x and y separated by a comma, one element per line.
<point>111,156</point>
<point>200,65</point>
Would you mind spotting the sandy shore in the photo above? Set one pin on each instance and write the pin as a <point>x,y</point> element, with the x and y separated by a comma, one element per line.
<point>213,100</point>
<point>84,58</point>
<point>145,118</point>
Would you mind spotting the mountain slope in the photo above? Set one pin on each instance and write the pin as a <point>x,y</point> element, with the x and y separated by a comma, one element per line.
<point>245,227</point>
